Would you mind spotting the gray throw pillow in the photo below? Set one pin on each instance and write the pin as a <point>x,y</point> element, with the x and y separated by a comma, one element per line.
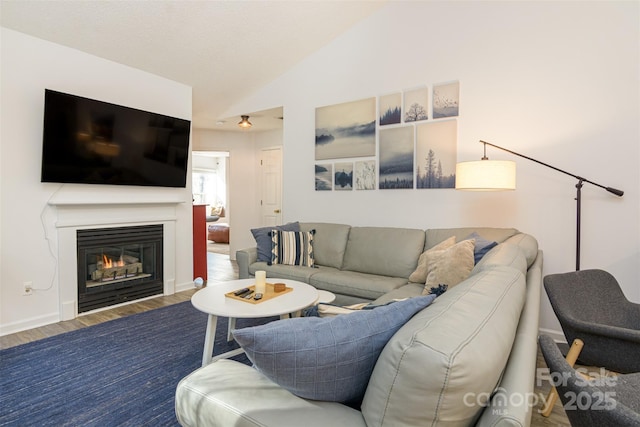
<point>263,239</point>
<point>330,358</point>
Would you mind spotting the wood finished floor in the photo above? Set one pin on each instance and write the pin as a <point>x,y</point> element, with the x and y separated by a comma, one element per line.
<point>220,269</point>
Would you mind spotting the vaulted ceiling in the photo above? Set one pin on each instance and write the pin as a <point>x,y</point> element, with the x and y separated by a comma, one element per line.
<point>224,50</point>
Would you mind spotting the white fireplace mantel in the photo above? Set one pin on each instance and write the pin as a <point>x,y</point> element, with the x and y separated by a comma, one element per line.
<point>72,202</point>
<point>74,214</point>
<point>89,213</point>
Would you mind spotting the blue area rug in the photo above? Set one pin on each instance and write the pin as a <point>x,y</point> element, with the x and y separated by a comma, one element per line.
<point>120,373</point>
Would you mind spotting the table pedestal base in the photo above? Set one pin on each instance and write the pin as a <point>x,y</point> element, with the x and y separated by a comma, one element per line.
<point>210,337</point>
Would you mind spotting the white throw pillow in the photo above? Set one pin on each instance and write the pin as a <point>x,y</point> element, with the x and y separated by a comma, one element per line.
<point>450,266</point>
<point>421,271</point>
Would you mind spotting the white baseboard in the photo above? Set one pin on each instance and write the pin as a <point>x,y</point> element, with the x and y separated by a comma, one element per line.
<point>558,336</point>
<point>34,322</point>
<point>184,286</point>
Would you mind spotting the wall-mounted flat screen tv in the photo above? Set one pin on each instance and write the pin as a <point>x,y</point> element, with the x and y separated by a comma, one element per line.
<point>93,142</point>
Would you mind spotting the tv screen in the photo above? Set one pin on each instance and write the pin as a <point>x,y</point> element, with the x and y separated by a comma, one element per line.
<point>93,142</point>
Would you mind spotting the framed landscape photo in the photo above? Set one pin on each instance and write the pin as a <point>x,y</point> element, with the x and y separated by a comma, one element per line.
<point>436,154</point>
<point>346,130</point>
<point>343,176</point>
<point>446,100</point>
<point>324,177</point>
<point>390,109</point>
<point>416,103</point>
<point>396,158</point>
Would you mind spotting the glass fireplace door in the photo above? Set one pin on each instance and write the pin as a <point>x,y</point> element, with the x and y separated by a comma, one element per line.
<point>116,265</point>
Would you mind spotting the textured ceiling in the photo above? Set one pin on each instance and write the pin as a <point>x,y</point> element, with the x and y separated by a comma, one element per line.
<point>224,50</point>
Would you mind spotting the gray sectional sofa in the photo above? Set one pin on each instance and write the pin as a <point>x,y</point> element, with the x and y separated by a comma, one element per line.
<point>467,359</point>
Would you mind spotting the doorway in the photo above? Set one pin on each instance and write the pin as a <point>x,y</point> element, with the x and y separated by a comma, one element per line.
<point>210,187</point>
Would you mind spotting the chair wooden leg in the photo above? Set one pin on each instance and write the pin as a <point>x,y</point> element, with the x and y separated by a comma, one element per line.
<point>572,356</point>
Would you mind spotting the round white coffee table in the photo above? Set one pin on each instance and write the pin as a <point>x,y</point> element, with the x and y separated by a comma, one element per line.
<point>212,300</point>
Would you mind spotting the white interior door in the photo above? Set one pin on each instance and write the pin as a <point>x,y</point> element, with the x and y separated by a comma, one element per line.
<point>271,188</point>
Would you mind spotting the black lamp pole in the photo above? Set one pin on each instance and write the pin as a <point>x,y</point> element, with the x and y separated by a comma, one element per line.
<point>580,179</point>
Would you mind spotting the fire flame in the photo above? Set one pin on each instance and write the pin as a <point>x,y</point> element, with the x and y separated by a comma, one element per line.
<point>109,263</point>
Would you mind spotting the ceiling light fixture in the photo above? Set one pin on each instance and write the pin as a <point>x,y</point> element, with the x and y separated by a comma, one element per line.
<point>244,123</point>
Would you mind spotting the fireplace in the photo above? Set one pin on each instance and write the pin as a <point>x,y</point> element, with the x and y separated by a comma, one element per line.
<point>118,264</point>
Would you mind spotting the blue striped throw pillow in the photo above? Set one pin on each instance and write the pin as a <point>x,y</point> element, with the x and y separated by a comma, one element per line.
<point>292,247</point>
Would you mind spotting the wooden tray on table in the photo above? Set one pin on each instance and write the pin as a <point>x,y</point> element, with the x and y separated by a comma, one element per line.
<point>269,293</point>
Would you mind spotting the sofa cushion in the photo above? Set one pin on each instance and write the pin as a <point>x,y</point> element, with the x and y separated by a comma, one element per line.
<point>384,251</point>
<point>450,266</point>
<point>292,247</point>
<point>329,358</point>
<point>329,242</point>
<point>419,275</point>
<point>361,285</point>
<point>428,372</point>
<point>406,291</point>
<point>230,393</point>
<point>263,240</point>
<point>291,272</point>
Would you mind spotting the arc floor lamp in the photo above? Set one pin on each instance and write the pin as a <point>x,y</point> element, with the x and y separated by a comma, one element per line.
<point>497,175</point>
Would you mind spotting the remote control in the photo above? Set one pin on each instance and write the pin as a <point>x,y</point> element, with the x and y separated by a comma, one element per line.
<point>257,296</point>
<point>241,291</point>
<point>248,296</point>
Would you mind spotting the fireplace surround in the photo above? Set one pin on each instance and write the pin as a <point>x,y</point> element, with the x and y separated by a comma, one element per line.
<point>82,211</point>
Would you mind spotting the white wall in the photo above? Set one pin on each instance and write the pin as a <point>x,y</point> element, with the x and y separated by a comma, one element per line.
<point>557,81</point>
<point>30,65</point>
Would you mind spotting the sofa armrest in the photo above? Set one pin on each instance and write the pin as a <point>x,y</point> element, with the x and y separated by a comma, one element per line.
<point>244,258</point>
<point>229,393</point>
<point>511,405</point>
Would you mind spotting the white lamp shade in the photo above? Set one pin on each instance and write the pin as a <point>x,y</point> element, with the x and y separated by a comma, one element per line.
<point>486,175</point>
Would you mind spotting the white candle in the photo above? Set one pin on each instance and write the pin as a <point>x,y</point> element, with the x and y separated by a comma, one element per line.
<point>261,281</point>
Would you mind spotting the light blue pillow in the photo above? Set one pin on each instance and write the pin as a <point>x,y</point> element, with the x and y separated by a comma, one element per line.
<point>329,358</point>
<point>481,246</point>
<point>263,239</point>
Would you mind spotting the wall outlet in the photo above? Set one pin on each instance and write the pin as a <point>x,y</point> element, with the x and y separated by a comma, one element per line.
<point>27,288</point>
